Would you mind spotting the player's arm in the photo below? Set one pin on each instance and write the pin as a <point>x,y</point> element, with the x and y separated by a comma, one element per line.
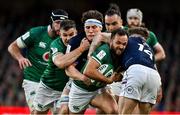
<point>98,39</point>
<point>15,50</point>
<point>159,52</point>
<point>157,47</point>
<point>72,72</point>
<point>63,60</point>
<point>92,72</point>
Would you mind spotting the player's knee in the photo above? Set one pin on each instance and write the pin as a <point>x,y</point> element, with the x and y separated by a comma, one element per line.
<point>111,110</point>
<point>64,109</point>
<point>144,111</point>
<point>145,108</point>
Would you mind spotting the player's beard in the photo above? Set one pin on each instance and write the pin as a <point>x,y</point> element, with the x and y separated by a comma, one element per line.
<point>116,51</point>
<point>134,25</point>
<point>55,32</point>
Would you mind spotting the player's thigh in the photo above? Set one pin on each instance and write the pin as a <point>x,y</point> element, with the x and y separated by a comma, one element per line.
<point>120,104</point>
<point>62,104</point>
<point>45,98</point>
<point>79,99</point>
<point>126,105</point>
<point>116,88</point>
<point>64,99</point>
<point>30,91</point>
<point>159,95</point>
<point>105,102</point>
<point>151,87</point>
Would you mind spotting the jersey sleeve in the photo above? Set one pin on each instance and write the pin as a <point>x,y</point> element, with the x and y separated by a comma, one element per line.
<point>21,40</point>
<point>101,54</point>
<point>152,39</point>
<point>55,49</point>
<point>27,39</point>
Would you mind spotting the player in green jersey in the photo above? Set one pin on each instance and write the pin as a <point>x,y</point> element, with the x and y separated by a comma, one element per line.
<point>81,94</point>
<point>77,40</point>
<point>36,41</point>
<point>113,21</point>
<point>112,18</point>
<point>92,26</point>
<point>54,78</point>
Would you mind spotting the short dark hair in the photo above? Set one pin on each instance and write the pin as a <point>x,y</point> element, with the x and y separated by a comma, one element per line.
<point>120,32</point>
<point>92,14</point>
<point>139,30</point>
<point>113,9</point>
<point>67,24</point>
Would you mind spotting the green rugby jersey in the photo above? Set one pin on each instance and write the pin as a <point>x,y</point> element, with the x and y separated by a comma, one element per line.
<point>103,56</point>
<point>37,42</point>
<point>53,76</point>
<point>151,40</point>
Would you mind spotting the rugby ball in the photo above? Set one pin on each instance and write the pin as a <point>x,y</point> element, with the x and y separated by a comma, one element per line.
<point>107,70</point>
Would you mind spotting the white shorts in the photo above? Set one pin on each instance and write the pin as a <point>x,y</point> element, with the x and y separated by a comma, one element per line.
<point>141,83</point>
<point>30,91</point>
<point>46,98</point>
<point>116,88</point>
<point>79,98</point>
<point>68,84</point>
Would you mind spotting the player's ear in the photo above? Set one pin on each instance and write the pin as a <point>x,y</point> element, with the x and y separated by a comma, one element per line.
<point>111,41</point>
<point>121,21</point>
<point>101,28</point>
<point>76,32</point>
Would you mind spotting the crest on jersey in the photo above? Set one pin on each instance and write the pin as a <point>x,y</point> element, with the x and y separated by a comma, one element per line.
<point>46,56</point>
<point>42,44</point>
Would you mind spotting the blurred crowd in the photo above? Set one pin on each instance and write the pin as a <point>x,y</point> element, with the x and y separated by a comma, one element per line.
<point>166,29</point>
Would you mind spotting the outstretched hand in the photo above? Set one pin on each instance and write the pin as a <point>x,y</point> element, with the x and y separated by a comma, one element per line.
<point>24,62</point>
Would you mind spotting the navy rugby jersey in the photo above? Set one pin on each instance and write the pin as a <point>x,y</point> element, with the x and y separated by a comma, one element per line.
<point>75,43</point>
<point>137,52</point>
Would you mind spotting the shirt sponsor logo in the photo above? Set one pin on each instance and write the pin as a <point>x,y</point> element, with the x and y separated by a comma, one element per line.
<point>42,44</point>
<point>101,54</point>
